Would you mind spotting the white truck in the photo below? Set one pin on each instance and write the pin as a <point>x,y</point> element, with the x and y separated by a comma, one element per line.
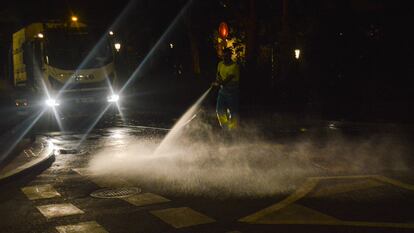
<point>61,66</point>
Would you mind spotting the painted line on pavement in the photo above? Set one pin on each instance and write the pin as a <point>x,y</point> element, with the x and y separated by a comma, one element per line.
<point>381,178</point>
<point>309,184</point>
<point>269,212</point>
<point>395,182</point>
<point>296,213</point>
<point>360,184</point>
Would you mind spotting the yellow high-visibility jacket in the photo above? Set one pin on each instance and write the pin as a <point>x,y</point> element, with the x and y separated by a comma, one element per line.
<point>228,75</point>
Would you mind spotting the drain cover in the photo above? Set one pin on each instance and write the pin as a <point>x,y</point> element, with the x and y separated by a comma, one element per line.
<point>115,192</point>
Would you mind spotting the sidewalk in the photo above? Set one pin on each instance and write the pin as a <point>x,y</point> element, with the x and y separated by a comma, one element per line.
<point>28,156</point>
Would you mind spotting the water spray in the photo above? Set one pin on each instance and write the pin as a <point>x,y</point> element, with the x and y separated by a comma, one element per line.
<point>186,118</point>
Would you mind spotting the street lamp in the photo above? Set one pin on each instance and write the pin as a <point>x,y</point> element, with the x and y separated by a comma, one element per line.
<point>297,53</point>
<point>111,33</point>
<point>117,46</point>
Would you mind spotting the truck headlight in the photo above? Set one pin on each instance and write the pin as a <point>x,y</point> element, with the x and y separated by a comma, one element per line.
<point>52,103</point>
<point>113,98</point>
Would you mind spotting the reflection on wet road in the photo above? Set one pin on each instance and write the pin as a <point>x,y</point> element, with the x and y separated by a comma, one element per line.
<point>205,184</point>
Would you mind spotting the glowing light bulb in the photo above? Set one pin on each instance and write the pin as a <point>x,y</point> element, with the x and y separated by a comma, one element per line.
<point>297,53</point>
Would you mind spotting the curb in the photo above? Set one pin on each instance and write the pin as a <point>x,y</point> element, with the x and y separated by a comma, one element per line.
<point>30,166</point>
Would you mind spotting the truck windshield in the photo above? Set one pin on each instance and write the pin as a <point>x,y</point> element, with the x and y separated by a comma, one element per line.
<point>67,49</point>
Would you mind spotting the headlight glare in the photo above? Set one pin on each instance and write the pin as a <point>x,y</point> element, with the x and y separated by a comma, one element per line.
<point>52,103</point>
<point>113,98</point>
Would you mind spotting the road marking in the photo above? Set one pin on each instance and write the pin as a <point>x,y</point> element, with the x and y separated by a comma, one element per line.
<point>294,214</point>
<point>395,182</point>
<point>309,184</point>
<point>59,210</point>
<point>285,211</point>
<point>182,217</point>
<point>83,227</point>
<point>343,188</point>
<point>381,178</point>
<point>145,199</point>
<point>40,192</point>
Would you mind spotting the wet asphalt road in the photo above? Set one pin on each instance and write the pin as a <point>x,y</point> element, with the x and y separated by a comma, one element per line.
<point>331,203</point>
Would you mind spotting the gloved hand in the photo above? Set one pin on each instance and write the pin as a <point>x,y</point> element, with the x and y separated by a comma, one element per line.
<point>215,84</point>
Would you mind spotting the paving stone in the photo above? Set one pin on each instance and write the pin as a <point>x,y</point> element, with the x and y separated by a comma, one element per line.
<point>59,210</point>
<point>40,192</point>
<point>182,217</point>
<point>145,199</point>
<point>83,227</point>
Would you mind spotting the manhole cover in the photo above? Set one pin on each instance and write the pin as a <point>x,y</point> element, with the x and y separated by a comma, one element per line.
<point>115,192</point>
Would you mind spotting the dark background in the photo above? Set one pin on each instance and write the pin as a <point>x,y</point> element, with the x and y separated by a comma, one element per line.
<point>356,55</point>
